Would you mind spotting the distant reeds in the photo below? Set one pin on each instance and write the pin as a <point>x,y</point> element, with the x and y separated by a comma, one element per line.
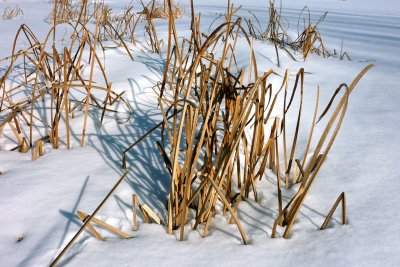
<point>159,9</point>
<point>10,13</point>
<point>308,39</point>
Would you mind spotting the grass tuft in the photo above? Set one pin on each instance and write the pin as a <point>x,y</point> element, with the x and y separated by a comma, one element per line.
<point>10,13</point>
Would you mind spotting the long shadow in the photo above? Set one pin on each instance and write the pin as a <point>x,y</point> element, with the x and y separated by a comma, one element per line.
<point>306,216</point>
<point>71,219</point>
<point>71,215</point>
<point>266,212</point>
<point>147,176</point>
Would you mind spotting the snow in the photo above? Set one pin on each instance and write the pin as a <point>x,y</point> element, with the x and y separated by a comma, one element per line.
<point>38,199</point>
<point>370,7</point>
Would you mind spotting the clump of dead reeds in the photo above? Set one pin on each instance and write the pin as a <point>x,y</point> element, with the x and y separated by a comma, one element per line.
<point>276,30</point>
<point>308,40</point>
<point>102,12</point>
<point>68,11</point>
<point>160,10</point>
<point>64,11</point>
<point>51,71</point>
<point>50,87</point>
<point>277,25</point>
<point>10,13</point>
<point>150,29</point>
<point>219,136</point>
<point>113,26</point>
<point>125,22</point>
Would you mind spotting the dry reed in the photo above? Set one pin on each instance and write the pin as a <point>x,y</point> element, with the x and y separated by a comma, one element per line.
<point>160,9</point>
<point>222,118</point>
<point>308,41</point>
<point>51,78</point>
<point>12,13</point>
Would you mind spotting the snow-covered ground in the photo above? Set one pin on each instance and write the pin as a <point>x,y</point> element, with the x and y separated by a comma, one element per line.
<point>39,199</point>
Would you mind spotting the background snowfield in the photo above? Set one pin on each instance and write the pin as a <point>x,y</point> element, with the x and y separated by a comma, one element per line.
<point>38,199</point>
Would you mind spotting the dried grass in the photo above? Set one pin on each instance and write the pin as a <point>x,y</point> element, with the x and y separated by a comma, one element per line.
<point>50,78</point>
<point>213,120</point>
<point>64,11</point>
<point>308,41</point>
<point>10,13</point>
<point>160,10</point>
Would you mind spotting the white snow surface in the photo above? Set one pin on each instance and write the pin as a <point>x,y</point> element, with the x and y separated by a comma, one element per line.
<point>38,199</point>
